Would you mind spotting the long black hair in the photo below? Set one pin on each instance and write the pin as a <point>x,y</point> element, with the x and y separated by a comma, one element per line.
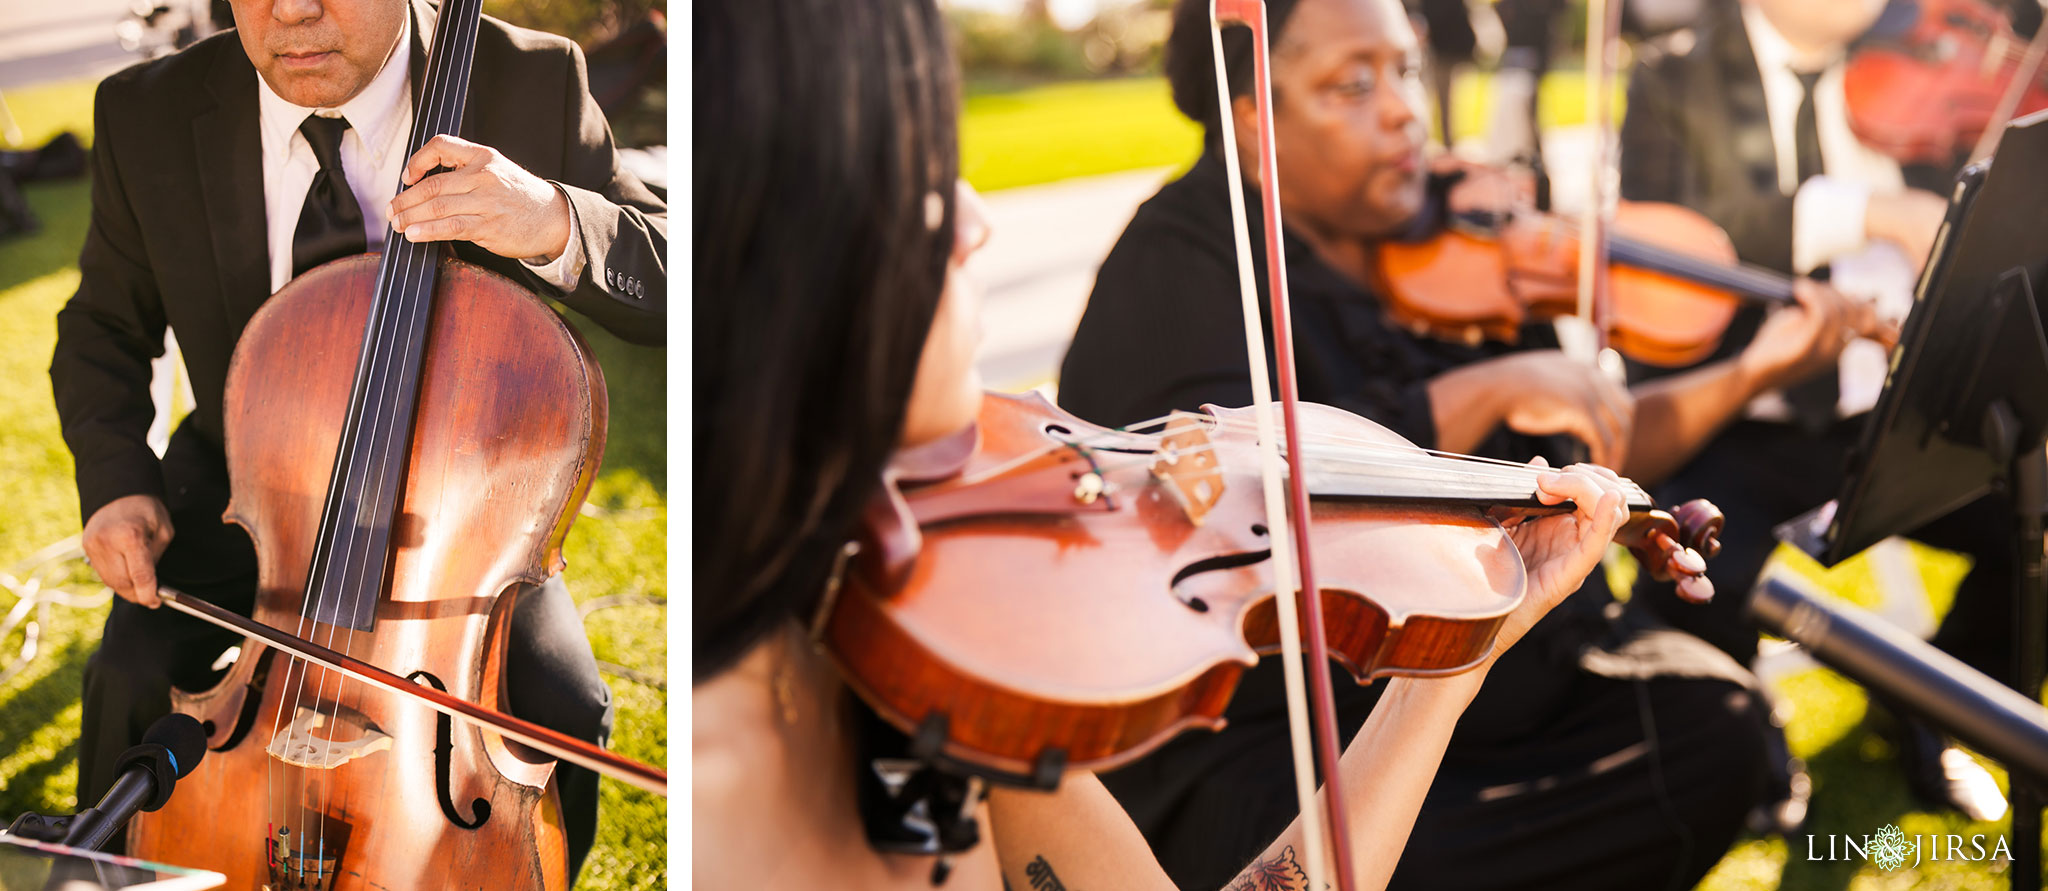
<point>822,128</point>
<point>1190,60</point>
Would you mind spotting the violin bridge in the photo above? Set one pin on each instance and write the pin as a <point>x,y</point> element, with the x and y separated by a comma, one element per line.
<point>1186,463</point>
<point>299,746</point>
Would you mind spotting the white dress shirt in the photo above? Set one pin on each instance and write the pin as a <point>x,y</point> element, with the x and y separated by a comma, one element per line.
<point>1828,209</point>
<point>373,157</point>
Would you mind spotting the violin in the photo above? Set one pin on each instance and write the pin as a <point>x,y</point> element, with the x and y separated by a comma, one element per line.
<point>1673,280</point>
<point>1147,557</point>
<point>1927,93</point>
<point>408,437</point>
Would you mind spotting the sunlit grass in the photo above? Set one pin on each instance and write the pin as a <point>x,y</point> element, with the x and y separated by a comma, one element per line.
<point>44,110</point>
<point>1038,134</point>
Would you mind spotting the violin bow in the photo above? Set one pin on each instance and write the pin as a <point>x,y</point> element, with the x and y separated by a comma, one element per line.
<point>2008,101</point>
<point>553,742</point>
<point>1308,626</point>
<point>1603,45</point>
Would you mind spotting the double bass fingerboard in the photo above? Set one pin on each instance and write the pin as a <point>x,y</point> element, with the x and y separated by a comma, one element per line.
<point>352,559</point>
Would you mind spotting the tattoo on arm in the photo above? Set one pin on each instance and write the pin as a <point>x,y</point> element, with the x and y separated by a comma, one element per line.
<point>1042,877</point>
<point>1278,873</point>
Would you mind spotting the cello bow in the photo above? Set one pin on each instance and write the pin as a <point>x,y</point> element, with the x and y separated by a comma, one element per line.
<point>560,745</point>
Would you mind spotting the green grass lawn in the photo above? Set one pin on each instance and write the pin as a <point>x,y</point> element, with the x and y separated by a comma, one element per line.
<point>1038,134</point>
<point>618,547</point>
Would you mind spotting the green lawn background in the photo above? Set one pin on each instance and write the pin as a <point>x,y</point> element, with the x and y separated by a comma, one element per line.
<point>618,546</point>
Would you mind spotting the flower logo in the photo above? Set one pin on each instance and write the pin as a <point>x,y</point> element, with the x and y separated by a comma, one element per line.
<point>1888,848</point>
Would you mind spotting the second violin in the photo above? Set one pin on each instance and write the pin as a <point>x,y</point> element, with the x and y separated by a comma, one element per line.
<point>1675,282</point>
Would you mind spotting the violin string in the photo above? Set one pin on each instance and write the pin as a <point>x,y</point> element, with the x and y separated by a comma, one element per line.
<point>1684,265</point>
<point>1309,438</point>
<point>1436,469</point>
<point>1103,439</point>
<point>1212,422</point>
<point>1106,437</point>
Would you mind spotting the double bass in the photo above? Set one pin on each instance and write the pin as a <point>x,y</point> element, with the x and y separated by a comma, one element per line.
<point>408,438</point>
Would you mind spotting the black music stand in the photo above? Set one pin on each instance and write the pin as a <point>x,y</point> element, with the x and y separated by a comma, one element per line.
<point>1964,411</point>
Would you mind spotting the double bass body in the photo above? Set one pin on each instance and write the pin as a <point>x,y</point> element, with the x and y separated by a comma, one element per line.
<point>386,793</point>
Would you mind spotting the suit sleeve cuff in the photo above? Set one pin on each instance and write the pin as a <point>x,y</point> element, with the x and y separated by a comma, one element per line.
<point>107,481</point>
<point>565,271</point>
<point>1827,221</point>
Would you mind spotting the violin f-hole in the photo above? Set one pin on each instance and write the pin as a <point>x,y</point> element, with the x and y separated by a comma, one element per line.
<point>444,752</point>
<point>1213,564</point>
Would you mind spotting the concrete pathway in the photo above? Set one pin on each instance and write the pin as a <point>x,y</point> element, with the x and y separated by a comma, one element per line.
<point>1039,265</point>
<point>42,42</point>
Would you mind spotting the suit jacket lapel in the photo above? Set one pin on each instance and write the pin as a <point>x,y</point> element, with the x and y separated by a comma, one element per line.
<point>423,18</point>
<point>1749,118</point>
<point>231,179</point>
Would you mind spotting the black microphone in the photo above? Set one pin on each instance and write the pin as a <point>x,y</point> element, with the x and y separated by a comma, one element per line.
<point>169,751</point>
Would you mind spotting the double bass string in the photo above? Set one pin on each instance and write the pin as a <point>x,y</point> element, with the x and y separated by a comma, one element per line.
<point>401,259</point>
<point>389,411</point>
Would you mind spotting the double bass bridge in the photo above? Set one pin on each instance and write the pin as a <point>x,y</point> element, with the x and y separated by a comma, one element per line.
<point>300,746</point>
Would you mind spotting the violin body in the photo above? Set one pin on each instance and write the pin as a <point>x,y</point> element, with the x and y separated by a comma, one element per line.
<point>1470,286</point>
<point>377,791</point>
<point>1023,606</point>
<point>1926,96</point>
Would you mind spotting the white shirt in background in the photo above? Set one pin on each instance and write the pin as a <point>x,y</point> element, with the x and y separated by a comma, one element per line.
<point>1827,210</point>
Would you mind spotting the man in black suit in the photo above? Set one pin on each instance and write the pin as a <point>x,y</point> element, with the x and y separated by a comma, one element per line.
<point>1745,119</point>
<point>223,171</point>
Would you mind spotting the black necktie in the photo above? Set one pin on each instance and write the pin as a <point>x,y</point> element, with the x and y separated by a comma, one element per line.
<point>1806,130</point>
<point>1813,400</point>
<point>331,224</point>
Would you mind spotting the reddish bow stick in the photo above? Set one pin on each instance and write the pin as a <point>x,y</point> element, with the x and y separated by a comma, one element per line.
<point>1323,716</point>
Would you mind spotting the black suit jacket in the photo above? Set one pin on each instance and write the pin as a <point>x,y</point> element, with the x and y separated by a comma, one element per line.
<point>1697,134</point>
<point>178,238</point>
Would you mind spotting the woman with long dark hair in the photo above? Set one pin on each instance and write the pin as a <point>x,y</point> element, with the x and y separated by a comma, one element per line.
<point>833,326</point>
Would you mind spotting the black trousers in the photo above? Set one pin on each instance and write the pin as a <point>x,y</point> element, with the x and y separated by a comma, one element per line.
<point>1762,474</point>
<point>551,678</point>
<point>1650,801</point>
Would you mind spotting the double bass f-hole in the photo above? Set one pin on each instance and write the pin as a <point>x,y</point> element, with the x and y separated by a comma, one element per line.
<point>444,750</point>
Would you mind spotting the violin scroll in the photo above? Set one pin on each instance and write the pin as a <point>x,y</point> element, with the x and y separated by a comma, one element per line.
<point>1674,545</point>
<point>1699,526</point>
